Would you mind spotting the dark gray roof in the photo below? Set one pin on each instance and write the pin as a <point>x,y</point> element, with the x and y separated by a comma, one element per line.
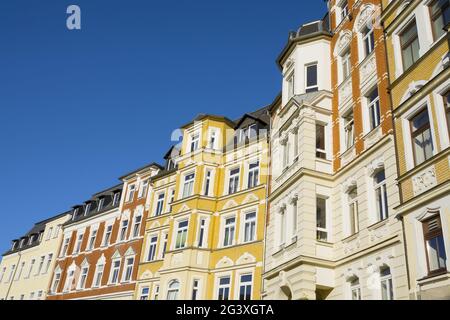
<point>153,164</point>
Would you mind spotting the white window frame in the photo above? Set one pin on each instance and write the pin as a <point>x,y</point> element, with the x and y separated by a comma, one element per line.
<point>49,262</point>
<point>213,133</point>
<point>152,247</point>
<point>252,221</point>
<point>234,177</point>
<point>130,193</point>
<point>239,283</point>
<point>188,185</point>
<point>202,231</point>
<point>255,172</point>
<point>143,188</point>
<point>128,268</point>
<point>112,269</point>
<point>163,244</point>
<point>228,227</point>
<point>175,290</point>
<point>137,224</point>
<point>181,231</point>
<point>106,241</point>
<point>84,273</point>
<point>122,233</point>
<point>312,87</point>
<point>388,281</point>
<point>92,239</point>
<point>290,85</point>
<point>223,286</point>
<point>194,142</point>
<point>98,275</point>
<point>380,216</point>
<point>159,203</point>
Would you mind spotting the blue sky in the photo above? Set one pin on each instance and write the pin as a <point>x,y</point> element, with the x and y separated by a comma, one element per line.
<point>81,108</point>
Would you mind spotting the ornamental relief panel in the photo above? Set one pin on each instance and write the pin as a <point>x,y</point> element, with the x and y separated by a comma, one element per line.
<point>424,180</point>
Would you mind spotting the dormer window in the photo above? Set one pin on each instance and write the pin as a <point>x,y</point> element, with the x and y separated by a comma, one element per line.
<point>101,203</point>
<point>31,239</point>
<point>344,9</point>
<point>195,140</point>
<point>131,191</point>
<point>87,208</point>
<point>75,213</point>
<point>116,199</point>
<point>22,243</point>
<point>14,244</point>
<point>170,164</point>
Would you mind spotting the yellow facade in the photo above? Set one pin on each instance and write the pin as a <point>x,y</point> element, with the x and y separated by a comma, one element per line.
<point>195,269</point>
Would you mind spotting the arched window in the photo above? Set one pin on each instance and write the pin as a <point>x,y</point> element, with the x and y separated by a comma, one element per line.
<point>387,290</point>
<point>174,288</point>
<point>355,288</point>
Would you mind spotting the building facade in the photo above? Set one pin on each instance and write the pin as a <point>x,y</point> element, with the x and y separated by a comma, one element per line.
<point>418,56</point>
<point>205,230</point>
<point>338,189</point>
<point>26,269</point>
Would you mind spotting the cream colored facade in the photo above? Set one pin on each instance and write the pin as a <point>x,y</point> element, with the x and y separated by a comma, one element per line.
<point>26,270</point>
<point>418,57</point>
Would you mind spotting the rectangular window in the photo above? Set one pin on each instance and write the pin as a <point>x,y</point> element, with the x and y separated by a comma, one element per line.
<point>195,139</point>
<point>188,187</point>
<point>107,237</point>
<point>346,65</point>
<point>145,292</point>
<point>83,277</point>
<point>195,288</point>
<point>434,244</point>
<point>182,234</point>
<point>421,137</point>
<point>320,141</point>
<point>224,288</point>
<point>31,268</point>
<point>123,230</point>
<point>101,202</point>
<point>373,101</point>
<point>172,199</point>
<point>409,41</point>
<point>212,143</point>
<point>164,246</point>
<point>228,238</point>
<point>128,271</point>
<point>291,85</point>
<point>201,233</point>
<point>349,130</point>
<point>56,282</point>
<point>49,233</point>
<point>250,227</point>
<point>207,182</point>
<point>49,262</point>
<point>440,17</point>
<point>233,182</point>
<point>283,227</point>
<point>447,109</point>
<point>87,208</point>
<point>152,248</point>
<point>253,174</point>
<point>2,274</point>
<point>19,273</point>
<point>381,195</point>
<point>245,287</point>
<point>115,268</point>
<point>64,247</point>
<point>131,192</point>
<point>99,275</point>
<point>160,204</point>
<point>368,40</point>
<point>143,189</point>
<point>116,199</point>
<point>387,289</point>
<point>41,265</point>
<point>321,214</point>
<point>353,211</point>
<point>69,280</point>
<point>137,226</point>
<point>286,152</point>
<point>92,239</point>
<point>156,293</point>
<point>355,288</point>
<point>344,9</point>
<point>311,78</point>
<point>78,243</point>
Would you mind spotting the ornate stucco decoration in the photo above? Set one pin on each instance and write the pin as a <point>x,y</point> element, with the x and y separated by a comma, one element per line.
<point>375,166</point>
<point>349,184</point>
<point>424,180</point>
<point>343,42</point>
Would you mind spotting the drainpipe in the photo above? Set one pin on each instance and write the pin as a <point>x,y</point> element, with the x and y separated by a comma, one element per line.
<point>13,276</point>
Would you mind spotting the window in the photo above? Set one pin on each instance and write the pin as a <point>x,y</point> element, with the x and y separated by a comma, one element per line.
<point>344,9</point>
<point>286,153</point>
<point>2,274</point>
<point>164,245</point>
<point>159,204</point>
<point>253,174</point>
<point>31,268</point>
<point>320,141</point>
<point>245,287</point>
<point>83,277</point>
<point>224,288</point>
<point>22,265</point>
<point>213,142</point>
<point>115,268</point>
<point>152,248</point>
<point>116,199</point>
<point>145,292</point>
<point>252,131</point>
<point>374,109</point>
<point>283,227</point>
<point>201,233</point>
<point>87,208</point>
<point>355,288</point>
<point>78,243</point>
<point>321,214</point>
<point>98,275</point>
<point>92,239</point>
<point>346,65</point>
<point>128,271</point>
<point>207,182</point>
<point>75,213</point>
<point>195,289</point>
<point>421,137</point>
<point>69,280</point>
<point>349,130</point>
<point>123,230</point>
<point>188,187</point>
<point>49,233</point>
<point>172,292</point>
<point>447,109</point>
<point>181,234</point>
<point>41,265</point>
<point>250,227</point>
<point>49,262</point>
<point>290,85</point>
<point>387,290</point>
<point>440,17</point>
<point>434,243</point>
<point>39,295</point>
<point>156,293</point>
<point>137,225</point>
<point>353,210</point>
<point>143,189</point>
<point>58,227</point>
<point>295,138</point>
<point>195,139</point>
<point>233,184</point>
<point>107,237</point>
<point>294,215</point>
<point>101,202</point>
<point>381,195</point>
<point>409,42</point>
<point>228,237</point>
<point>368,40</point>
<point>131,191</point>
<point>56,282</point>
<point>311,78</point>
<point>64,247</point>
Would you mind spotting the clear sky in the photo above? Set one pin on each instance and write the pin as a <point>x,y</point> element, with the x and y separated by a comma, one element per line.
<point>81,108</point>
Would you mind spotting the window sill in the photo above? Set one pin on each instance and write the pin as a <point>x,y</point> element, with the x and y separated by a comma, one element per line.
<point>350,237</point>
<point>324,243</point>
<point>434,277</point>
<point>378,224</point>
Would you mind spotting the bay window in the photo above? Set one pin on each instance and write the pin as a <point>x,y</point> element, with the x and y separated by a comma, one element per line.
<point>320,141</point>
<point>321,219</point>
<point>181,235</point>
<point>440,16</point>
<point>188,186</point>
<point>311,78</point>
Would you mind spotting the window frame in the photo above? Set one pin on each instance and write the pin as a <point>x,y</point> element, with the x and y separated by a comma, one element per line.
<point>428,235</point>
<point>408,44</point>
<point>311,88</point>
<point>420,131</point>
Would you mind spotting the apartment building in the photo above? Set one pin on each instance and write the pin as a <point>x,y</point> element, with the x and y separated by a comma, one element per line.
<point>26,268</point>
<point>205,229</point>
<point>418,56</point>
<point>332,232</point>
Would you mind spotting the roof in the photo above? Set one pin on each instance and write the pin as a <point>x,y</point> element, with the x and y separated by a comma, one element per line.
<point>203,116</point>
<point>148,166</point>
<point>259,115</point>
